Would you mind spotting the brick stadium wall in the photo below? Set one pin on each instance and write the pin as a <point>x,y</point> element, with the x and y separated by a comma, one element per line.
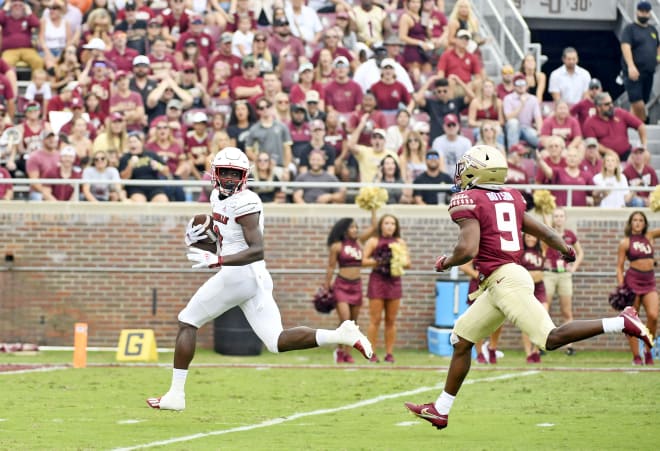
<point>102,263</point>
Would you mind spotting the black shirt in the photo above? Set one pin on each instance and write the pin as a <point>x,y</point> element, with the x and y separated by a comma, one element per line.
<point>644,46</point>
<point>437,111</point>
<point>433,197</point>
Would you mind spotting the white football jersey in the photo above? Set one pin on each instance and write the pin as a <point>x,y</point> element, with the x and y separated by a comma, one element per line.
<point>225,213</point>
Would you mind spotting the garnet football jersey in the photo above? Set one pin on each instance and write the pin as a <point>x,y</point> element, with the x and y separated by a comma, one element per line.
<point>500,216</point>
<point>227,211</point>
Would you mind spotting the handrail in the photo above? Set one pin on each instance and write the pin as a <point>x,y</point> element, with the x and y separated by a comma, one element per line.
<point>302,185</point>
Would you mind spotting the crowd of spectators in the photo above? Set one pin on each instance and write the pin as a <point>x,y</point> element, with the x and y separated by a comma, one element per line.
<point>323,91</point>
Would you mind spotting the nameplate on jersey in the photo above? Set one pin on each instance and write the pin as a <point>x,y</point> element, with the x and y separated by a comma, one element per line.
<point>137,345</point>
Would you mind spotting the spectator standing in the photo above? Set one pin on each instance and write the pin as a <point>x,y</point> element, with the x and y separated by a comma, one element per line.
<point>101,170</point>
<point>140,164</point>
<point>558,274</point>
<point>384,289</point>
<point>140,82</point>
<point>586,107</point>
<point>127,102</point>
<point>54,33</point>
<point>369,157</point>
<point>205,42</point>
<point>610,127</point>
<point>270,136</point>
<point>561,124</point>
<point>135,29</point>
<point>317,174</point>
<point>640,51</point>
<point>167,95</point>
<point>369,72</point>
<point>611,178</point>
<point>432,176</point>
<point>536,80</point>
<point>462,17</point>
<point>640,174</point>
<point>317,143</point>
<point>569,82</point>
<point>457,63</point>
<point>289,50</point>
<point>417,39</point>
<point>120,54</point>
<point>637,248</point>
<point>485,107</point>
<point>41,162</point>
<point>451,145</point>
<point>522,113</point>
<point>305,23</point>
<point>376,118</point>
<point>342,94</point>
<point>390,94</point>
<point>17,27</point>
<point>592,162</point>
<point>439,105</point>
<point>65,171</point>
<point>571,174</point>
<point>345,251</point>
<point>372,23</point>
<point>331,42</point>
<point>306,84</point>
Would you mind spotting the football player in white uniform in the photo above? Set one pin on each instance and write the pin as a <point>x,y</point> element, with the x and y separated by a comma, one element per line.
<point>242,280</point>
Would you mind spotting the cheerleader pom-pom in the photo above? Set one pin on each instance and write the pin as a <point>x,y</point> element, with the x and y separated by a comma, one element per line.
<point>371,198</point>
<point>399,259</point>
<point>544,202</point>
<point>654,200</point>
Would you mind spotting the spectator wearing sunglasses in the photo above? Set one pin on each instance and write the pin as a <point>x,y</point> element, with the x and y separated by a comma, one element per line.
<point>271,136</point>
<point>369,157</point>
<point>432,176</point>
<point>439,104</point>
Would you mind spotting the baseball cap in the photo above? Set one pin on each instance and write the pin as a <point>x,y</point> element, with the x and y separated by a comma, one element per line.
<point>507,69</point>
<point>226,37</point>
<point>518,148</point>
<point>247,60</point>
<point>130,5</point>
<point>388,62</point>
<point>190,41</point>
<point>421,126</point>
<point>116,116</point>
<point>76,102</point>
<point>120,74</point>
<point>154,20</point>
<point>32,105</point>
<point>638,147</point>
<point>47,133</point>
<point>464,34</point>
<point>519,80</point>
<point>340,61</point>
<point>187,65</point>
<point>196,20</point>
<point>317,124</point>
<point>305,66</point>
<point>99,63</point>
<point>140,59</point>
<point>281,22</point>
<point>432,152</point>
<point>68,150</point>
<point>95,44</point>
<point>589,142</point>
<point>199,116</point>
<point>312,96</point>
<point>379,131</point>
<point>644,6</point>
<point>70,86</point>
<point>450,119</point>
<point>595,84</point>
<point>174,103</point>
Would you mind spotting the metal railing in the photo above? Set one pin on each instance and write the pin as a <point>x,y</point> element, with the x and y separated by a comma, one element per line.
<point>76,184</point>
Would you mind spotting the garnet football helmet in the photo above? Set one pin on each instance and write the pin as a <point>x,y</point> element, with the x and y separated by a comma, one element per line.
<point>481,165</point>
<point>230,158</point>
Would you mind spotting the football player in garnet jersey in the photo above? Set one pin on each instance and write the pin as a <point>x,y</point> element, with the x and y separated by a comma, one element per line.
<point>241,280</point>
<point>491,219</point>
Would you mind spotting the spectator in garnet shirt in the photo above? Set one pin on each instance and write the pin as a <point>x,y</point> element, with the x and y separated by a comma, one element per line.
<point>639,174</point>
<point>376,119</point>
<point>390,94</point>
<point>458,61</point>
<point>331,40</point>
<point>249,84</point>
<point>121,55</point>
<point>516,175</point>
<point>553,156</point>
<point>610,127</point>
<point>205,42</point>
<point>586,107</point>
<point>128,102</point>
<point>65,171</point>
<point>561,124</point>
<point>569,175</point>
<point>17,27</point>
<point>342,94</point>
<point>175,21</point>
<point>592,161</point>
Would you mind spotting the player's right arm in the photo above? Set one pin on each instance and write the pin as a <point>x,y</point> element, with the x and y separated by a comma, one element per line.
<point>254,239</point>
<point>546,234</point>
<point>467,246</point>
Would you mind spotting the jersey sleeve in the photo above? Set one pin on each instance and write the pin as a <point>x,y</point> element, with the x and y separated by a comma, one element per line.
<point>462,206</point>
<point>248,204</point>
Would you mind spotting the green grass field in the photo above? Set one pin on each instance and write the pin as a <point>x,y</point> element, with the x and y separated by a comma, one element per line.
<point>299,401</point>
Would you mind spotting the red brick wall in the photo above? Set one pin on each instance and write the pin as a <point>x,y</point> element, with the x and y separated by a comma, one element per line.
<point>100,264</point>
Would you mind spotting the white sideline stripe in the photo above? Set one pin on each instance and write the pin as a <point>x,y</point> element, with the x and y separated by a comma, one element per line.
<point>297,416</point>
<point>93,348</point>
<point>33,370</point>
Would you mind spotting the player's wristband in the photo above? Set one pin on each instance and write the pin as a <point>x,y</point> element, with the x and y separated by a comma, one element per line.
<point>219,264</point>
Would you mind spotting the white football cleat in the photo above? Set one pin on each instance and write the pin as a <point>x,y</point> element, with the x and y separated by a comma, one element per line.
<point>169,401</point>
<point>349,334</point>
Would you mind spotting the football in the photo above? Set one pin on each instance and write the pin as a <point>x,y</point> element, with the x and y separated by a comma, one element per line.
<point>210,242</point>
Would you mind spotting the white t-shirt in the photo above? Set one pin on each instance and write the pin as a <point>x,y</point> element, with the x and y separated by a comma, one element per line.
<point>244,39</point>
<point>616,198</point>
<point>452,151</point>
<point>571,87</point>
<point>31,91</point>
<point>101,192</point>
<point>225,213</point>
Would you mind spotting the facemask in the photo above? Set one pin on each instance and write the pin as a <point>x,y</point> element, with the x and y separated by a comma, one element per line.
<point>643,19</point>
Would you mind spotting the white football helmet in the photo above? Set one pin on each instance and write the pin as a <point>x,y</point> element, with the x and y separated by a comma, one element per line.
<point>230,158</point>
<point>481,165</point>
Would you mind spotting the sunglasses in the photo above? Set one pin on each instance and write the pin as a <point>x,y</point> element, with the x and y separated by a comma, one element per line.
<point>262,107</point>
<point>189,71</point>
<point>433,157</point>
<point>283,102</point>
<point>99,159</point>
<point>248,65</point>
<point>156,25</point>
<point>377,137</point>
<point>452,124</point>
<point>260,40</point>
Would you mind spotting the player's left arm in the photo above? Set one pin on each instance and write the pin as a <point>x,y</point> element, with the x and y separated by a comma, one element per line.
<point>543,232</point>
<point>466,248</point>
<point>254,239</point>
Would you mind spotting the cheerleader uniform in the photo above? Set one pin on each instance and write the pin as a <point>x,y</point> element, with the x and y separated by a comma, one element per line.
<point>533,260</point>
<point>639,282</point>
<point>382,285</point>
<point>347,290</point>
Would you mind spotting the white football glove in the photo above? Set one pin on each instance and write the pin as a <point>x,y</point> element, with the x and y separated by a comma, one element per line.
<point>194,233</point>
<point>204,259</point>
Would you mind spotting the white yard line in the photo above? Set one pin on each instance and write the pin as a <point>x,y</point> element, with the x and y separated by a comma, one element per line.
<point>33,370</point>
<point>297,416</point>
